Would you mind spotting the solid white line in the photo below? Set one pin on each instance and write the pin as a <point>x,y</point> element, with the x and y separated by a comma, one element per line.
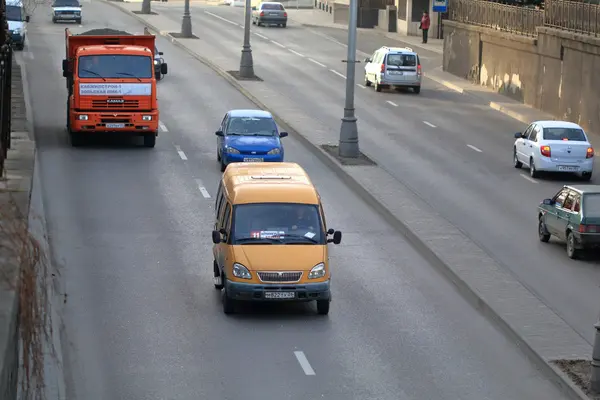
<point>162,126</point>
<point>261,36</point>
<point>221,18</point>
<point>181,153</point>
<point>316,62</point>
<point>361,86</point>
<point>304,363</point>
<point>392,103</point>
<point>202,189</point>
<point>278,44</point>
<point>429,123</point>
<point>474,148</point>
<point>337,73</point>
<point>296,53</point>
<point>530,179</point>
<point>240,25</point>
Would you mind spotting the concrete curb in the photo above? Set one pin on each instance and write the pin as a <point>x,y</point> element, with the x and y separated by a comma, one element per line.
<point>553,373</point>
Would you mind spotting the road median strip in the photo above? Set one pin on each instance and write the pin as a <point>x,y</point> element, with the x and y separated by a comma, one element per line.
<point>542,335</point>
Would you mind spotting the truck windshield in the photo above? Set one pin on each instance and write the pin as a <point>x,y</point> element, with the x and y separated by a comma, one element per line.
<point>115,66</point>
<point>14,13</point>
<point>277,223</point>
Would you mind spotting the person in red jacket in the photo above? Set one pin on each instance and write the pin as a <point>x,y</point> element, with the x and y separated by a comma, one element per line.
<point>424,26</point>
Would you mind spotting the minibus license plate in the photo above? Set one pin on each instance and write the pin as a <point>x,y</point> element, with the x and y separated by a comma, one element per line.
<point>115,126</point>
<point>253,159</point>
<point>280,295</point>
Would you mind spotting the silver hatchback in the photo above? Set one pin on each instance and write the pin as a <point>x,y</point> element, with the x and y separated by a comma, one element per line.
<point>394,67</point>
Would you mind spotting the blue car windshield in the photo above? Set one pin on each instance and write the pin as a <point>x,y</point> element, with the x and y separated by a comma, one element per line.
<point>252,126</point>
<point>277,223</point>
<point>115,66</point>
<point>13,13</point>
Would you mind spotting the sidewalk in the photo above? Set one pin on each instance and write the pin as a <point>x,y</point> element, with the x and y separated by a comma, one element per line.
<point>537,330</point>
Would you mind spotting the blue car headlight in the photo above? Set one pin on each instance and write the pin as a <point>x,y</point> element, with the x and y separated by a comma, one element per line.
<point>274,151</point>
<point>231,150</point>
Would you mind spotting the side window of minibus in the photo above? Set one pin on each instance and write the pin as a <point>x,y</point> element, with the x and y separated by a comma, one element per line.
<point>219,213</point>
<point>227,219</point>
<point>322,212</point>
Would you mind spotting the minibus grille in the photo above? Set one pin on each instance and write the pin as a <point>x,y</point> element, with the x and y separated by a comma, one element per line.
<point>276,276</point>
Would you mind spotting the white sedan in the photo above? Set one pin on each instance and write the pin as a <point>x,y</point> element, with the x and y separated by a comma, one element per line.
<point>554,146</point>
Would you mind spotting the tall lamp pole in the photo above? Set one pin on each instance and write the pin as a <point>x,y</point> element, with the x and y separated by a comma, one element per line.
<point>595,377</point>
<point>186,22</point>
<point>246,63</point>
<point>146,8</point>
<point>348,145</point>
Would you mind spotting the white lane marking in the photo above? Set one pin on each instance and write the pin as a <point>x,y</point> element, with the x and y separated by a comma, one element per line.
<point>261,36</point>
<point>337,73</point>
<point>304,363</point>
<point>181,153</point>
<point>221,18</point>
<point>162,126</point>
<point>429,123</point>
<point>316,62</point>
<point>296,53</point>
<point>240,25</point>
<point>202,189</point>
<point>278,44</point>
<point>392,103</point>
<point>530,179</point>
<point>361,86</point>
<point>474,148</point>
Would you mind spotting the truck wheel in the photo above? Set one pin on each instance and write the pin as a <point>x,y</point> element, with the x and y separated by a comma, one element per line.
<point>76,139</point>
<point>150,140</point>
<point>159,76</point>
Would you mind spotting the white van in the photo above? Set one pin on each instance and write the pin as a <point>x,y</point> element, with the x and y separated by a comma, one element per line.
<point>17,22</point>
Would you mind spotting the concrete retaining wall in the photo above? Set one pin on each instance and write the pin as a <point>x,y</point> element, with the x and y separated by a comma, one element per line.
<point>553,72</point>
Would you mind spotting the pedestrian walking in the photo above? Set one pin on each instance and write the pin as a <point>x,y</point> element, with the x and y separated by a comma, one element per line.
<point>424,25</point>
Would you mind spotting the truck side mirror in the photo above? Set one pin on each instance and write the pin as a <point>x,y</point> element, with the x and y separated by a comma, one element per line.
<point>65,68</point>
<point>160,53</point>
<point>163,68</point>
<point>27,18</point>
<point>253,8</point>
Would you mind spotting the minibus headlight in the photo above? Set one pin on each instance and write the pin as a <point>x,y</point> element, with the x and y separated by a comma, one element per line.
<point>318,271</point>
<point>239,271</point>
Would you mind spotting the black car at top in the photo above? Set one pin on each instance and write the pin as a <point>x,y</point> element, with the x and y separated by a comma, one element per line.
<point>572,215</point>
<point>160,66</point>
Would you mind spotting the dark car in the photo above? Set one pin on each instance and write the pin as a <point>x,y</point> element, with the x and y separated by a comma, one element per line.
<point>572,215</point>
<point>269,13</point>
<point>160,66</point>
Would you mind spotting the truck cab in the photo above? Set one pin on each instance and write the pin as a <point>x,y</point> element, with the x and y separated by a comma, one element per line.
<point>111,85</point>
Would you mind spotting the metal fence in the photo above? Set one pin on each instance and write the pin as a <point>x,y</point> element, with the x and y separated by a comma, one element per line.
<point>513,19</point>
<point>6,54</point>
<point>573,16</point>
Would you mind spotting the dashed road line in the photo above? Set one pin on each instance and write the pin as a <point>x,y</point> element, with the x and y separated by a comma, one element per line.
<point>474,148</point>
<point>181,153</point>
<point>296,53</point>
<point>429,124</point>
<point>221,18</point>
<point>337,73</point>
<point>530,179</point>
<point>162,126</point>
<point>361,86</point>
<point>261,36</point>
<point>392,103</point>
<point>316,62</point>
<point>304,363</point>
<point>278,44</point>
<point>202,189</point>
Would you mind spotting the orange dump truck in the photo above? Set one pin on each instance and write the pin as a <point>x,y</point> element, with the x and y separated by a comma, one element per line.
<point>111,84</point>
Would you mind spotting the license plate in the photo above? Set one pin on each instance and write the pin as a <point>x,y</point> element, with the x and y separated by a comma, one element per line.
<point>567,168</point>
<point>253,159</point>
<point>115,126</point>
<point>280,295</point>
<point>272,13</point>
<point>395,72</point>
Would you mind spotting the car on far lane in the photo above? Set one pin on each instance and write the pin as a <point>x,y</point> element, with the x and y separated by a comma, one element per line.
<point>269,13</point>
<point>248,136</point>
<point>66,10</point>
<point>160,66</point>
<point>554,146</point>
<point>572,215</point>
<point>394,67</point>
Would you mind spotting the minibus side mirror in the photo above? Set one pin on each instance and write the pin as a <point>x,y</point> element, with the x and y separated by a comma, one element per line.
<point>337,237</point>
<point>216,237</point>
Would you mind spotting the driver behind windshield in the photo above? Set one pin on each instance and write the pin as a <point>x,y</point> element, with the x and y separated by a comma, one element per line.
<point>252,127</point>
<point>303,221</point>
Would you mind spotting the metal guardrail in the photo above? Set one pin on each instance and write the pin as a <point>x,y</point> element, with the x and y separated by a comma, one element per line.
<point>574,16</point>
<point>6,55</point>
<point>513,19</point>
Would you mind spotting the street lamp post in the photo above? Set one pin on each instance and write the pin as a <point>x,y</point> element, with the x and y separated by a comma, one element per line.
<point>246,63</point>
<point>348,145</point>
<point>146,8</point>
<point>186,22</point>
<point>595,378</point>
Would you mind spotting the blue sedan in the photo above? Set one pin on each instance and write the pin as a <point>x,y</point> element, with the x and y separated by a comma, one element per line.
<point>249,136</point>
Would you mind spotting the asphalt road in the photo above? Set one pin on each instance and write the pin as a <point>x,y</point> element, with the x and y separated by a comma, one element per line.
<point>131,231</point>
<point>452,151</point>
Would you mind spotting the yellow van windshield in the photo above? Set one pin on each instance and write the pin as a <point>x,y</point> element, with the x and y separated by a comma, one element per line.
<point>277,223</point>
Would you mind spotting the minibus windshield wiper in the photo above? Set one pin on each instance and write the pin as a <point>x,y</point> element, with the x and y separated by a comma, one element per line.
<point>303,237</point>
<point>253,240</point>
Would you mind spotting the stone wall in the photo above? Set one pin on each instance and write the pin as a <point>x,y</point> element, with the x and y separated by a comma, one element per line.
<point>553,72</point>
